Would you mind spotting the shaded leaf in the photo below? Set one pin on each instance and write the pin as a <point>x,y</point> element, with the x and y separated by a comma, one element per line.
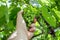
<point>48,17</point>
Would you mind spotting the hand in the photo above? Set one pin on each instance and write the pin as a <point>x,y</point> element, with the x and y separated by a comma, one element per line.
<point>31,31</point>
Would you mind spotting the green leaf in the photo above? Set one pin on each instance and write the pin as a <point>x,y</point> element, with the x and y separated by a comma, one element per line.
<point>50,19</point>
<point>37,32</point>
<point>4,17</point>
<point>14,12</point>
<point>37,25</point>
<point>57,13</point>
<point>2,21</point>
<point>10,25</point>
<point>2,11</point>
<point>3,1</point>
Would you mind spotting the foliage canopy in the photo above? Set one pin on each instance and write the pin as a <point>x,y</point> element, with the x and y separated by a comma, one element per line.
<point>46,11</point>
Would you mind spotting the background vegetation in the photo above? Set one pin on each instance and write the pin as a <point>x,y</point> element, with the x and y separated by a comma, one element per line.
<point>46,11</point>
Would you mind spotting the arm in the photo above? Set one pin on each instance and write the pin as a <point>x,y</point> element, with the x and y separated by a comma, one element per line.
<point>21,32</point>
<point>21,27</point>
